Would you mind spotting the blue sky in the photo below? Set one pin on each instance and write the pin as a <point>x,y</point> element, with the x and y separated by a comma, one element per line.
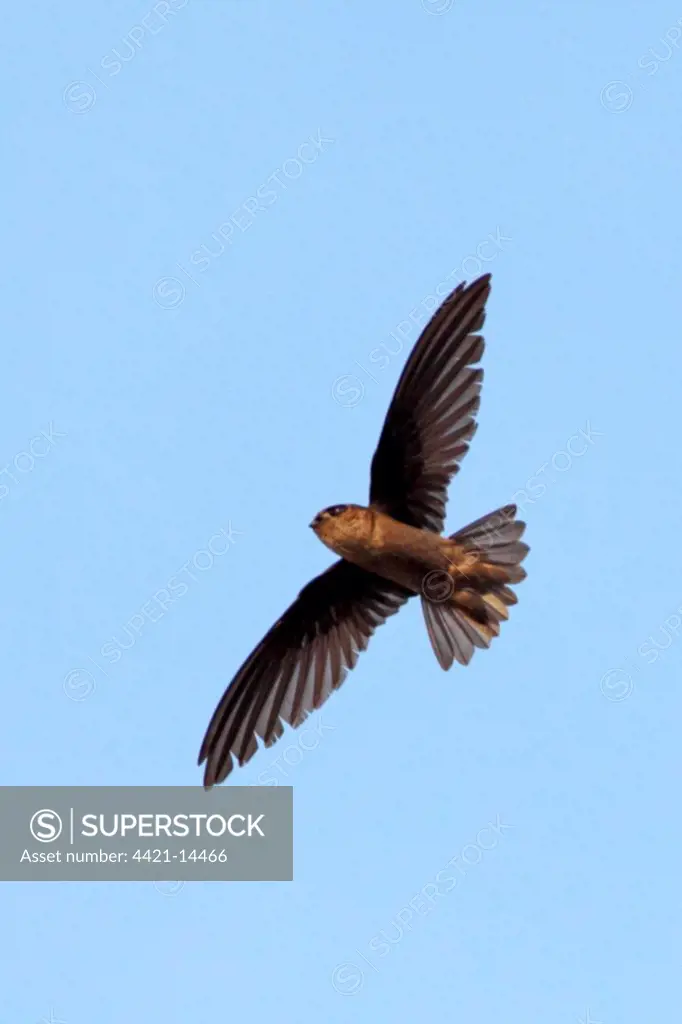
<point>216,212</point>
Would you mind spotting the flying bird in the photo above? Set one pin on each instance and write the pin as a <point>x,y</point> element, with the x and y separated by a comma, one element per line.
<point>390,550</point>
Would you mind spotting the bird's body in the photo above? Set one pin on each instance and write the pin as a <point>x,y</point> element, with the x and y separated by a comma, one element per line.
<point>380,544</point>
<point>391,550</point>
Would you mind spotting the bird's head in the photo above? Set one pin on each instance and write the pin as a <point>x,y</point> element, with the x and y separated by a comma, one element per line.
<point>340,523</point>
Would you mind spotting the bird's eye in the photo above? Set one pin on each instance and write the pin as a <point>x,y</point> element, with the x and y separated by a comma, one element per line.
<point>335,510</point>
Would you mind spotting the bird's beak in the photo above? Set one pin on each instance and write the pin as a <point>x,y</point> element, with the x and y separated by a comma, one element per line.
<point>312,525</point>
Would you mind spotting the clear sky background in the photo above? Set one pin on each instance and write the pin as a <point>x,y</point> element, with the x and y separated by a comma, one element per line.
<point>188,390</point>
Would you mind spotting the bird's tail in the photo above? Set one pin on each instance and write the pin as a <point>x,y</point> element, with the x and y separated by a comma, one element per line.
<point>464,606</point>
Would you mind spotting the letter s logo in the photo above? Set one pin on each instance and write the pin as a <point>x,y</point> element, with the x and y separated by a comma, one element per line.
<point>46,826</point>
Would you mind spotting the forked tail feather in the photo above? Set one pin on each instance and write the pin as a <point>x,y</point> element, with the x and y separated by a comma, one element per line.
<point>465,610</point>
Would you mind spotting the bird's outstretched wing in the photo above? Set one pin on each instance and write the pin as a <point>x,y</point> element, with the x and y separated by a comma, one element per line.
<point>293,670</point>
<point>430,420</point>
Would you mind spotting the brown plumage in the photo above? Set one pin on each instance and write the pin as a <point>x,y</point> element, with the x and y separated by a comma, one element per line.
<point>390,551</point>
